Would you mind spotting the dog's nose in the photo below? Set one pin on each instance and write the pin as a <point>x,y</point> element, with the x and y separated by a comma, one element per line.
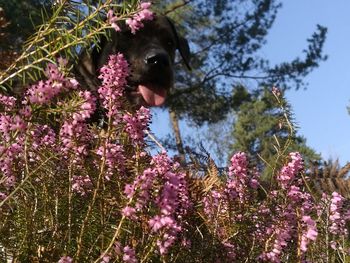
<point>157,59</point>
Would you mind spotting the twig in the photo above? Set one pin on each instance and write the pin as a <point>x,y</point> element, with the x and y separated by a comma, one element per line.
<point>151,136</point>
<point>176,7</point>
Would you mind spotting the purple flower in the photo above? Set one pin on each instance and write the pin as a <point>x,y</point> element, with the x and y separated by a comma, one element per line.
<point>113,76</point>
<point>74,133</point>
<point>136,22</point>
<point>291,170</point>
<point>309,234</point>
<point>337,220</point>
<point>136,124</point>
<point>112,20</point>
<point>8,102</point>
<point>114,155</point>
<point>44,91</point>
<point>129,255</point>
<point>129,212</point>
<point>65,259</point>
<point>82,184</point>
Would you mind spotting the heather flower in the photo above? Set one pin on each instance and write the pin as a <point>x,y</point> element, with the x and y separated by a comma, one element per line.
<point>86,109</point>
<point>309,234</point>
<point>143,184</point>
<point>333,245</point>
<point>129,212</point>
<point>117,248</point>
<point>112,20</point>
<point>74,133</point>
<point>106,259</point>
<point>45,90</point>
<point>161,163</point>
<point>172,199</point>
<point>113,76</point>
<point>136,124</point>
<point>276,91</point>
<point>74,141</point>
<point>8,102</point>
<point>230,250</point>
<point>336,218</point>
<point>238,166</point>
<point>239,180</point>
<point>82,184</point>
<point>65,259</point>
<point>291,170</point>
<point>282,236</point>
<point>12,131</point>
<point>114,155</point>
<point>129,255</point>
<point>212,202</point>
<point>136,22</point>
<point>26,110</point>
<point>42,136</point>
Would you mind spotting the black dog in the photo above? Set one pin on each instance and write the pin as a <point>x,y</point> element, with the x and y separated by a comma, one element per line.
<point>150,53</point>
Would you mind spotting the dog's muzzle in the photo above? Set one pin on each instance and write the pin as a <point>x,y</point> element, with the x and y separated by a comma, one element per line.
<point>156,78</point>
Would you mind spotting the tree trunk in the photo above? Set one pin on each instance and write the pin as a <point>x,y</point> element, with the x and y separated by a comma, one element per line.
<point>176,129</point>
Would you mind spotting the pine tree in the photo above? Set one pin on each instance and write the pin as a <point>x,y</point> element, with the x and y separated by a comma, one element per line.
<point>264,128</point>
<point>226,37</point>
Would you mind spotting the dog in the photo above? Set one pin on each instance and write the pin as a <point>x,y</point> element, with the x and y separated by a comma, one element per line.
<point>150,54</point>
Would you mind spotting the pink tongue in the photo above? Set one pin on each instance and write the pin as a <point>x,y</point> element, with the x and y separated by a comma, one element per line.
<point>153,96</point>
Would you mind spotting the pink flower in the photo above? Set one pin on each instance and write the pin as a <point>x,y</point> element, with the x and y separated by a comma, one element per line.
<point>65,259</point>
<point>129,255</point>
<point>291,170</point>
<point>82,184</point>
<point>113,76</point>
<point>44,91</point>
<point>239,180</point>
<point>276,91</point>
<point>309,233</point>
<point>74,141</point>
<point>129,212</point>
<point>337,220</point>
<point>115,158</point>
<point>86,109</point>
<point>74,133</point>
<point>112,20</point>
<point>137,124</point>
<point>136,22</point>
<point>8,102</point>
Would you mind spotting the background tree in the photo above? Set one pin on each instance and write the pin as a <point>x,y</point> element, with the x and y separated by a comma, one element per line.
<point>17,23</point>
<point>225,38</point>
<point>262,130</point>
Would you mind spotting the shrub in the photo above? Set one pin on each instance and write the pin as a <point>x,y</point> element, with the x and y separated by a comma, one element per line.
<point>72,190</point>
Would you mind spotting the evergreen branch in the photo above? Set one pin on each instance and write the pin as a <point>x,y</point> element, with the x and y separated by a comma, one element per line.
<point>175,7</point>
<point>62,34</point>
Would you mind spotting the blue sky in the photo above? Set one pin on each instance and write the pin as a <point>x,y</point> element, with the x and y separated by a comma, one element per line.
<point>320,111</point>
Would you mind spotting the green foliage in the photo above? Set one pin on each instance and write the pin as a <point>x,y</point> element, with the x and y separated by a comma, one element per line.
<point>226,37</point>
<point>213,215</point>
<point>73,25</point>
<point>22,17</point>
<point>264,128</point>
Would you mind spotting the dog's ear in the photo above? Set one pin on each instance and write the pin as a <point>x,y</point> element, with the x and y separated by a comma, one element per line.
<point>182,45</point>
<point>185,52</point>
<point>88,64</point>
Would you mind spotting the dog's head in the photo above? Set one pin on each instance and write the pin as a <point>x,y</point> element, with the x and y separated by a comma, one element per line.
<point>150,53</point>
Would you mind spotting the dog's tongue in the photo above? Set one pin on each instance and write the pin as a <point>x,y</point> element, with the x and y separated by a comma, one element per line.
<point>153,96</point>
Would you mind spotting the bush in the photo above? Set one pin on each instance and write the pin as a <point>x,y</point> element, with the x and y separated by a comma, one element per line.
<point>72,190</point>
